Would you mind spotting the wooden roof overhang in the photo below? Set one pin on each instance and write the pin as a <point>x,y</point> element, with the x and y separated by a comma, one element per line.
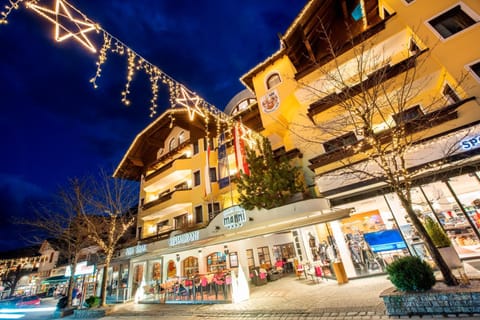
<point>305,41</point>
<point>143,150</point>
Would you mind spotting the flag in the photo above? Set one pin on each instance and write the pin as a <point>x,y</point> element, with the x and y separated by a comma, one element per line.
<point>240,157</point>
<point>208,186</point>
<point>223,170</point>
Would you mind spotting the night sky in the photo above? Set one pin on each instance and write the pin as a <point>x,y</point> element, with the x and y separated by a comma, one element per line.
<point>54,125</point>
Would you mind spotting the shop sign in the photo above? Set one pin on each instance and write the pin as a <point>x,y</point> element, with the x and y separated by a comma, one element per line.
<point>234,217</point>
<point>81,269</point>
<point>470,143</point>
<point>184,238</point>
<point>141,248</point>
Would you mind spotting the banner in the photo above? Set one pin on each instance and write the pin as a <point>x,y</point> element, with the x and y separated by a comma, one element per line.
<point>240,157</point>
<point>208,186</point>
<point>223,170</point>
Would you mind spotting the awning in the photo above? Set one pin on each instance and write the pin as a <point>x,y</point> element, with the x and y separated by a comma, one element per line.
<point>55,279</point>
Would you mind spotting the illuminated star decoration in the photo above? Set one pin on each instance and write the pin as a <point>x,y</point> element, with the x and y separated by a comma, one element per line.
<point>68,25</point>
<point>190,101</point>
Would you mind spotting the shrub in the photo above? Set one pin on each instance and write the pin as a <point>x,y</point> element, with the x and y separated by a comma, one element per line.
<point>411,274</point>
<point>92,302</point>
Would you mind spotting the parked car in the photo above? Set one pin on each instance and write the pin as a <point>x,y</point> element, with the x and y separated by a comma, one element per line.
<point>27,301</point>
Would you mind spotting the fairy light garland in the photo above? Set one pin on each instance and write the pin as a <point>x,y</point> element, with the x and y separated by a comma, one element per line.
<point>12,5</point>
<point>180,98</point>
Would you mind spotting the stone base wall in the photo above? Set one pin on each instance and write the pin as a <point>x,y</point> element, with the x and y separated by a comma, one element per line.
<point>431,302</point>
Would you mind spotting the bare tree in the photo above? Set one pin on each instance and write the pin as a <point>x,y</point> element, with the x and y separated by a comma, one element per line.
<point>62,221</point>
<point>112,206</point>
<point>356,93</point>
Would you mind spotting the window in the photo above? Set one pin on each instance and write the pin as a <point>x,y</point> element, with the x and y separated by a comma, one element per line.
<point>172,144</point>
<point>216,261</point>
<point>233,257</point>
<point>181,137</point>
<point>413,47</point>
<point>408,115</point>
<point>451,22</point>
<point>210,143</point>
<point>181,221</point>
<point>196,178</point>
<point>273,80</point>
<point>213,174</point>
<point>161,224</point>
<point>450,94</point>
<point>215,206</point>
<point>337,143</point>
<point>250,259</point>
<point>476,69</point>
<point>198,214</point>
<point>139,233</point>
<point>196,148</point>
<point>264,257</point>
<point>190,267</point>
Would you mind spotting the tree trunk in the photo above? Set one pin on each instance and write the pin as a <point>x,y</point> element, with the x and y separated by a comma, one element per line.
<point>448,276</point>
<point>103,291</point>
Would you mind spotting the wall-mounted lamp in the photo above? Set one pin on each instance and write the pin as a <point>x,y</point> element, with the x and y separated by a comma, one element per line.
<point>217,227</point>
<point>225,249</point>
<point>178,257</point>
<point>250,219</point>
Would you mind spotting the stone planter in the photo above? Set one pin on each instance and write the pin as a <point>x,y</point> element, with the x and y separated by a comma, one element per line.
<point>440,300</point>
<point>93,313</point>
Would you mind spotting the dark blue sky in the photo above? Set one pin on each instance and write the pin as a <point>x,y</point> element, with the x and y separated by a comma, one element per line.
<point>54,125</point>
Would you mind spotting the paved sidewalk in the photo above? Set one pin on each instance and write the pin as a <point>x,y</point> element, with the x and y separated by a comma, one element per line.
<point>287,298</point>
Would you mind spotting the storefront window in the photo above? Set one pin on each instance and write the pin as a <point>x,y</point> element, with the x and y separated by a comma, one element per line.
<point>250,260</point>
<point>264,257</point>
<point>460,225</point>
<point>216,261</point>
<point>190,266</point>
<point>171,269</point>
<point>284,251</point>
<point>156,271</point>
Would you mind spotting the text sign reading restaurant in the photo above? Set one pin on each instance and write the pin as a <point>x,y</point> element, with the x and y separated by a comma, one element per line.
<point>184,238</point>
<point>234,217</point>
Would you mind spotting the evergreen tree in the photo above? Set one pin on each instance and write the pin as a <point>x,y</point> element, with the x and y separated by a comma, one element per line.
<point>272,181</point>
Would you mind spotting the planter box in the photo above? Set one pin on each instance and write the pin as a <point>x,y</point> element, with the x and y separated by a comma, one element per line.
<point>439,300</point>
<point>93,313</point>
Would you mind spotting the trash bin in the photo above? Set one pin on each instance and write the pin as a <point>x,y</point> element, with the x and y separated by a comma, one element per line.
<point>340,273</point>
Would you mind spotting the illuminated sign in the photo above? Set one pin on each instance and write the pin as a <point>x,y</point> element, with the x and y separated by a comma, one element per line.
<point>184,238</point>
<point>234,217</point>
<point>470,143</point>
<point>141,248</point>
<point>81,269</point>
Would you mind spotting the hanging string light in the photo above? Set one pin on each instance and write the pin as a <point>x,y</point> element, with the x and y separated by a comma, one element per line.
<point>102,58</point>
<point>71,23</point>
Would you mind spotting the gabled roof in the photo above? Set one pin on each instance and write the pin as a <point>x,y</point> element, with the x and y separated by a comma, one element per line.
<point>143,150</point>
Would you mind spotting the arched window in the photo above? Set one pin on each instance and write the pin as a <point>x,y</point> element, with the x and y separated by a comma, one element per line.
<point>216,261</point>
<point>172,144</point>
<point>190,266</point>
<point>273,80</point>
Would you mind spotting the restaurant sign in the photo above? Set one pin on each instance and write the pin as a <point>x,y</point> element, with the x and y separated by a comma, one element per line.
<point>184,238</point>
<point>234,217</point>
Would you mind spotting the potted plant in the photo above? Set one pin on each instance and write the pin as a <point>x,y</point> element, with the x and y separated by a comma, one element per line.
<point>443,243</point>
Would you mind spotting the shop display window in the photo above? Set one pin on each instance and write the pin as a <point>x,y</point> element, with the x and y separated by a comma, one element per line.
<point>171,269</point>
<point>264,257</point>
<point>216,261</point>
<point>250,260</point>
<point>190,266</point>
<point>156,271</point>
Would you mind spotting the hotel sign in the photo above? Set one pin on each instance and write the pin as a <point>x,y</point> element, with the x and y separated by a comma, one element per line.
<point>141,248</point>
<point>184,238</point>
<point>234,217</point>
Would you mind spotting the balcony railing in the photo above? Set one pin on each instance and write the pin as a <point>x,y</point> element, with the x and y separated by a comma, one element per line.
<point>164,167</point>
<point>426,121</point>
<point>159,163</point>
<point>164,197</point>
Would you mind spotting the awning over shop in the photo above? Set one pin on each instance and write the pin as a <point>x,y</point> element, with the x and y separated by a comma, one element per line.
<point>55,280</point>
